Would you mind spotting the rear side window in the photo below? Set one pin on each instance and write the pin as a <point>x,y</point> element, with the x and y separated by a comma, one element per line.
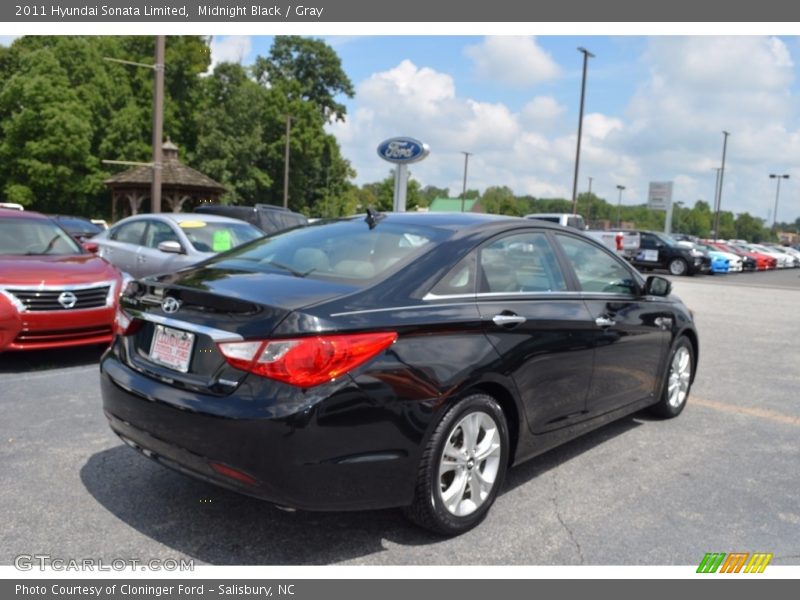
<point>596,269</point>
<point>129,233</point>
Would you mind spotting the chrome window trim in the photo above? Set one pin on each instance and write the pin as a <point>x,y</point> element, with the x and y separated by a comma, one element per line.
<point>218,335</point>
<point>393,308</point>
<point>429,297</point>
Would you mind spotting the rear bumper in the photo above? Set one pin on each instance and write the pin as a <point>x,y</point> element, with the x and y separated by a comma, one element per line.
<point>341,452</point>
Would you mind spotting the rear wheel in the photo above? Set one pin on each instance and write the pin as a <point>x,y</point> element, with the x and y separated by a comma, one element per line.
<point>462,467</point>
<point>679,380</point>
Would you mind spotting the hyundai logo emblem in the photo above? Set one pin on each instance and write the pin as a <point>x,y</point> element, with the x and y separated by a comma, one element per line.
<point>170,305</point>
<point>67,299</point>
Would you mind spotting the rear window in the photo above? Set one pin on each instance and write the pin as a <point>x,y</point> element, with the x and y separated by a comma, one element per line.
<point>30,237</point>
<point>338,250</point>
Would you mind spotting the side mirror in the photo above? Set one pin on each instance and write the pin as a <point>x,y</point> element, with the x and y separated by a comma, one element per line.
<point>171,247</point>
<point>90,247</point>
<point>657,286</point>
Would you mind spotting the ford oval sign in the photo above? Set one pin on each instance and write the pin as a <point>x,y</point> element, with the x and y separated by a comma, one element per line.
<point>403,150</point>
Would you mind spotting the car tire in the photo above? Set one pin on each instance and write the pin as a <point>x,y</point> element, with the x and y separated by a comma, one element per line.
<point>466,456</point>
<point>678,380</point>
<point>678,266</point>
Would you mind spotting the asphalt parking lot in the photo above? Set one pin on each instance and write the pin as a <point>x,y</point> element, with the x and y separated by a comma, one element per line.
<point>722,477</point>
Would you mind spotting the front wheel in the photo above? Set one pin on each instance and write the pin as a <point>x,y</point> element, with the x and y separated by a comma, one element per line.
<point>462,467</point>
<point>678,266</point>
<point>679,380</point>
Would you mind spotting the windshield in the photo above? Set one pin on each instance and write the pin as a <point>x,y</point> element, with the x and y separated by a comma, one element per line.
<point>209,236</point>
<point>347,250</point>
<point>28,237</point>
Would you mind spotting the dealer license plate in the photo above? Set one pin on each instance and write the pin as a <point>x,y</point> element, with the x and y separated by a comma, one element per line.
<point>172,348</point>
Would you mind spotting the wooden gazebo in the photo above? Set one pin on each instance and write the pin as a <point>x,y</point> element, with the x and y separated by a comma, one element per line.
<point>179,184</point>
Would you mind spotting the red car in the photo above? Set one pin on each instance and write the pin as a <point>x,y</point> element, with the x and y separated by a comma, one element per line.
<point>53,293</point>
<point>764,262</point>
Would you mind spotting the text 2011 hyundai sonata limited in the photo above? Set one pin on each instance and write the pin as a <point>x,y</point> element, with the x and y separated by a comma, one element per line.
<point>391,360</point>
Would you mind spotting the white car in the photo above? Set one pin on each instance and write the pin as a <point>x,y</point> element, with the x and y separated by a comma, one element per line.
<point>790,252</point>
<point>784,260</point>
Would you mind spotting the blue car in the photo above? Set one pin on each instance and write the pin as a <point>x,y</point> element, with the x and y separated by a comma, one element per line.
<point>719,262</point>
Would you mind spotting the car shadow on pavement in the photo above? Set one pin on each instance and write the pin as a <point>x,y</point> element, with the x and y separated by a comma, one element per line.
<point>41,360</point>
<point>220,527</point>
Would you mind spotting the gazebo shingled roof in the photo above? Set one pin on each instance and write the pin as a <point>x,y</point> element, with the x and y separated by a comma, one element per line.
<point>179,183</point>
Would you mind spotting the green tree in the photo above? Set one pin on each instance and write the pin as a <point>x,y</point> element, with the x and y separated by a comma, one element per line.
<point>500,200</point>
<point>750,228</point>
<point>45,151</point>
<point>230,144</point>
<point>313,66</point>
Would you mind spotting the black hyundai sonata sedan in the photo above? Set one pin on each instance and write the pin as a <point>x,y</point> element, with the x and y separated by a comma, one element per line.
<point>393,360</point>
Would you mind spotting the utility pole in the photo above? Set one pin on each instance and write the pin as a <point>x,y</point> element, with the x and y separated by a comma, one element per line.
<point>158,120</point>
<point>286,163</point>
<point>586,56</point>
<point>158,126</point>
<point>464,188</point>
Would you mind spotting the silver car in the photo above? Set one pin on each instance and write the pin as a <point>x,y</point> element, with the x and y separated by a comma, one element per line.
<point>151,244</point>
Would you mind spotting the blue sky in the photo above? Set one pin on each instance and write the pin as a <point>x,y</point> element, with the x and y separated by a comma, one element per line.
<point>655,111</point>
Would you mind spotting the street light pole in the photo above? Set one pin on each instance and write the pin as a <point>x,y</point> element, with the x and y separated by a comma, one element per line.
<point>719,187</point>
<point>464,188</point>
<point>777,194</point>
<point>586,56</point>
<point>286,163</point>
<point>619,206</point>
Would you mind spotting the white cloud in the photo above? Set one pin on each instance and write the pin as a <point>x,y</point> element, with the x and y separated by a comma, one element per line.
<point>7,40</point>
<point>233,48</point>
<point>698,87</point>
<point>508,148</point>
<point>511,60</point>
<point>543,112</point>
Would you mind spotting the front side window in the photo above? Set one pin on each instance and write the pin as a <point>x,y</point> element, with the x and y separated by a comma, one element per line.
<point>522,262</point>
<point>159,232</point>
<point>215,236</point>
<point>596,270</point>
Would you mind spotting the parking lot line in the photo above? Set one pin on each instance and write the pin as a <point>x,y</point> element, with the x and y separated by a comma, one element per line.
<point>761,413</point>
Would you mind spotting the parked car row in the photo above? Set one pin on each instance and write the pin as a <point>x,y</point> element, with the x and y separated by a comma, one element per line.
<point>682,254</point>
<point>60,275</point>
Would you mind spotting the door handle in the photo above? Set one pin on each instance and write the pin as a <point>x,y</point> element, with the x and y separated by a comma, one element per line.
<point>605,322</point>
<point>506,320</point>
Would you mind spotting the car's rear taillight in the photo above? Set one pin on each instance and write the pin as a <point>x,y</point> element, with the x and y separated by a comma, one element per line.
<point>306,361</point>
<point>619,240</point>
<point>124,324</point>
